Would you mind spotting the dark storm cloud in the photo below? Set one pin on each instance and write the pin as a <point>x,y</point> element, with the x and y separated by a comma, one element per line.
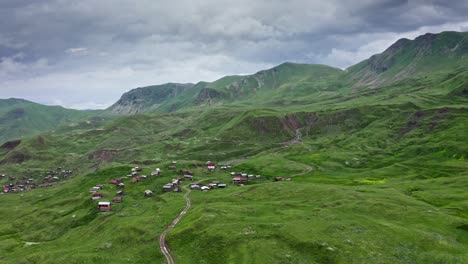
<point>95,50</point>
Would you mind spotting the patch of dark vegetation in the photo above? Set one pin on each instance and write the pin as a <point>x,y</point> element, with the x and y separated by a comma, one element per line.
<point>207,96</point>
<point>10,144</point>
<point>15,157</point>
<point>465,91</point>
<point>40,140</point>
<point>103,155</point>
<point>185,133</point>
<point>15,113</point>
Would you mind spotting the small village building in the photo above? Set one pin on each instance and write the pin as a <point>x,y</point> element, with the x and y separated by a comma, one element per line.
<point>188,177</point>
<point>121,193</point>
<point>172,167</point>
<point>94,189</point>
<point>104,206</point>
<point>156,172</point>
<point>113,181</point>
<point>168,187</point>
<point>210,165</point>
<point>278,179</point>
<point>222,185</point>
<point>121,185</point>
<point>6,189</point>
<point>97,196</point>
<point>148,193</point>
<point>186,172</point>
<point>205,188</point>
<point>117,199</point>
<point>176,181</point>
<point>195,187</point>
<point>240,180</point>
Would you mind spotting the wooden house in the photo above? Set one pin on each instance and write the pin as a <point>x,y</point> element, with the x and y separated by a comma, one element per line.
<point>210,165</point>
<point>195,187</point>
<point>104,206</point>
<point>240,180</point>
<point>117,199</point>
<point>148,193</point>
<point>97,196</point>
<point>168,187</point>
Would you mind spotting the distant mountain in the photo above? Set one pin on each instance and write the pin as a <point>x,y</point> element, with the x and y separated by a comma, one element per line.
<point>148,98</point>
<point>407,58</point>
<point>21,118</point>
<point>285,80</point>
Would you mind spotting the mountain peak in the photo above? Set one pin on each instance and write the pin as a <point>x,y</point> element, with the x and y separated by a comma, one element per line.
<point>143,99</point>
<point>426,53</point>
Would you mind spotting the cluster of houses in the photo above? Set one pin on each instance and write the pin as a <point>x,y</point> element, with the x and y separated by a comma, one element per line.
<point>174,185</point>
<point>27,183</point>
<point>105,206</point>
<point>241,178</point>
<point>207,187</point>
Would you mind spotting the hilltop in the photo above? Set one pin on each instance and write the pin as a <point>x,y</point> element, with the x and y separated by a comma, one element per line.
<point>21,118</point>
<point>425,54</point>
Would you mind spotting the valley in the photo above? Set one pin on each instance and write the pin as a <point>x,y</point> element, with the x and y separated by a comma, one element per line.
<point>363,165</point>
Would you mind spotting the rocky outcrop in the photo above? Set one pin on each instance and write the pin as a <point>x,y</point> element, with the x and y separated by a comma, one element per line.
<point>146,99</point>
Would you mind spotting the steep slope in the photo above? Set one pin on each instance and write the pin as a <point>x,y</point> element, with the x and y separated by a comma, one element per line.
<point>262,88</point>
<point>20,118</point>
<point>148,98</point>
<point>425,54</point>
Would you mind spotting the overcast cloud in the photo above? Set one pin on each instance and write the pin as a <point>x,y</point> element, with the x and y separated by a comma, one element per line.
<point>85,54</point>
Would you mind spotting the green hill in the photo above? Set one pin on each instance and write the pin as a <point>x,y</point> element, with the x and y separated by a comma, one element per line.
<point>20,118</point>
<point>146,99</point>
<point>425,54</point>
<point>377,171</point>
<point>267,87</point>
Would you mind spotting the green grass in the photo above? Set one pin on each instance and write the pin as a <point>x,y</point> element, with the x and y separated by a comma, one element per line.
<point>379,173</point>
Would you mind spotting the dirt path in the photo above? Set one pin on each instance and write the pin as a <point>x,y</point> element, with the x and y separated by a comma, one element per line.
<point>296,140</point>
<point>162,238</point>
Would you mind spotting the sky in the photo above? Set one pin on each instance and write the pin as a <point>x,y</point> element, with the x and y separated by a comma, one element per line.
<point>85,54</point>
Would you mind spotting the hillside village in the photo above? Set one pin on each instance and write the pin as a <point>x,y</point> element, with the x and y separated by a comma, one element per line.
<point>26,183</point>
<point>114,191</point>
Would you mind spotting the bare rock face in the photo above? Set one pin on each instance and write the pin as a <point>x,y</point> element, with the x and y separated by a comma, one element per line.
<point>10,144</point>
<point>148,98</point>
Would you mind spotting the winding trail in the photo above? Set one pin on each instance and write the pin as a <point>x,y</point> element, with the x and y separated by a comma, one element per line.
<point>162,238</point>
<point>296,140</point>
<point>163,245</point>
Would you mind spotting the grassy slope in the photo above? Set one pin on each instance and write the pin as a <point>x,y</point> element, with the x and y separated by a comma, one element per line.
<point>387,185</point>
<point>20,118</point>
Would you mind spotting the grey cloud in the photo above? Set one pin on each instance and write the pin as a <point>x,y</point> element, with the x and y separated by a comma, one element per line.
<point>147,41</point>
